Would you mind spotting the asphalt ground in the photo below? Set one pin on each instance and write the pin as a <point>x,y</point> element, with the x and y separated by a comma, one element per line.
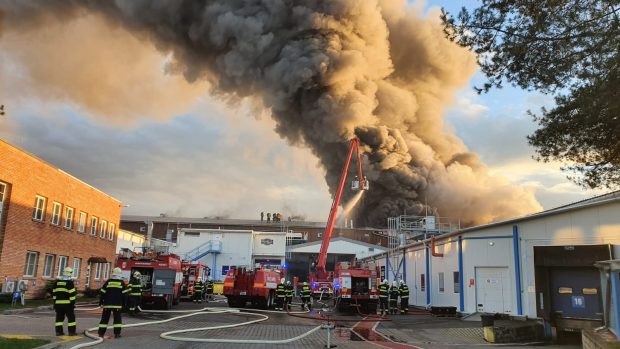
<point>416,330</point>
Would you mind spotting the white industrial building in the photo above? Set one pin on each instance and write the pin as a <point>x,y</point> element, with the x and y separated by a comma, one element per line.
<point>224,249</point>
<point>540,266</point>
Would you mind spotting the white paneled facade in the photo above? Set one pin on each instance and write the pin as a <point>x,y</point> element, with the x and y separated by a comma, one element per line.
<point>485,263</point>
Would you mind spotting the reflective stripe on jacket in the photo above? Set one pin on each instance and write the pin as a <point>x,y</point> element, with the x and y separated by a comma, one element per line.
<point>63,292</point>
<point>111,294</point>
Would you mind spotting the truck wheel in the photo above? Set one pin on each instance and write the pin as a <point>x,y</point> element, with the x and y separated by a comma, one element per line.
<point>270,300</point>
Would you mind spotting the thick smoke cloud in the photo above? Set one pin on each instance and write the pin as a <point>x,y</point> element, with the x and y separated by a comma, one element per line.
<point>327,71</point>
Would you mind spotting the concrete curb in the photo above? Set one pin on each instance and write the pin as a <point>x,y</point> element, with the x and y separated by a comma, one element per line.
<point>26,310</point>
<point>52,345</point>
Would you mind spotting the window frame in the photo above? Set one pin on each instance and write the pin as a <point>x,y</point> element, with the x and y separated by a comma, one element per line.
<point>46,265</point>
<point>56,214</point>
<point>103,228</point>
<point>39,212</point>
<point>98,268</point>
<point>456,281</point>
<point>69,217</point>
<point>422,282</point>
<point>111,231</point>
<point>27,264</point>
<point>3,194</point>
<point>94,223</point>
<point>441,282</point>
<point>61,269</point>
<point>106,271</point>
<point>81,228</point>
<point>76,269</point>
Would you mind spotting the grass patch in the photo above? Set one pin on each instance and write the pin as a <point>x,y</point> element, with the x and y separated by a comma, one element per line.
<point>15,343</point>
<point>30,303</point>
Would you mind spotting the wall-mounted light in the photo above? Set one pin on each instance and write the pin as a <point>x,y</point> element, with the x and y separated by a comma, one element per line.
<point>491,243</point>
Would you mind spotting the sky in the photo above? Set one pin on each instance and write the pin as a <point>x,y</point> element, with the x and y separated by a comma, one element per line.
<point>200,156</point>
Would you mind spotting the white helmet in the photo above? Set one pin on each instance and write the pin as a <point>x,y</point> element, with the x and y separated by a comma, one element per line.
<point>288,283</point>
<point>282,281</point>
<point>117,273</point>
<point>200,278</point>
<point>68,272</point>
<point>394,283</point>
<point>136,274</point>
<point>385,281</point>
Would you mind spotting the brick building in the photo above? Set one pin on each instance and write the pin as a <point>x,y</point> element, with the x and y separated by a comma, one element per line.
<point>49,220</point>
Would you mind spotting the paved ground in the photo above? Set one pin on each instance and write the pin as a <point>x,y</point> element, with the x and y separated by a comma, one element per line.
<point>410,331</point>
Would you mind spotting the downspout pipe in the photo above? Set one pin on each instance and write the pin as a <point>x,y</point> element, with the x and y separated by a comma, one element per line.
<point>433,252</point>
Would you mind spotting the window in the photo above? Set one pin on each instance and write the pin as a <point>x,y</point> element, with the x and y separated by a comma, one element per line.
<point>422,283</point>
<point>106,271</point>
<point>441,283</point>
<point>30,267</point>
<point>104,227</point>
<point>225,269</point>
<point>82,222</point>
<point>48,266</point>
<point>455,280</point>
<point>3,190</point>
<point>77,264</point>
<point>68,217</point>
<point>93,226</point>
<point>39,208</point>
<point>62,264</point>
<point>98,271</point>
<point>111,231</point>
<point>56,207</point>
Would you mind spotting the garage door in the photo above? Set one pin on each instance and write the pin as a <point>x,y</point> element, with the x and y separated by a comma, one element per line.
<point>493,291</point>
<point>575,293</point>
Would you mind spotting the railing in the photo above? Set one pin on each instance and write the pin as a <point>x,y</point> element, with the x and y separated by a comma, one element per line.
<point>211,246</point>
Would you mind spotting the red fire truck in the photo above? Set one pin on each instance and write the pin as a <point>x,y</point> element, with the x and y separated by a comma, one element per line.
<point>350,284</point>
<point>191,272</point>
<point>356,285</point>
<point>161,276</point>
<point>255,286</point>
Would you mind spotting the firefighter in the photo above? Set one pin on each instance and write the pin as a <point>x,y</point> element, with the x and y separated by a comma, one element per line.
<point>383,296</point>
<point>111,298</point>
<point>268,217</point>
<point>280,294</point>
<point>199,288</point>
<point>404,297</point>
<point>135,293</point>
<point>394,297</point>
<point>209,288</point>
<point>290,292</point>
<point>306,293</point>
<point>63,293</point>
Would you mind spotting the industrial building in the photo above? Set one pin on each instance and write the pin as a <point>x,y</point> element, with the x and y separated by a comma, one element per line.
<point>540,266</point>
<point>167,228</point>
<point>50,220</point>
<point>223,249</point>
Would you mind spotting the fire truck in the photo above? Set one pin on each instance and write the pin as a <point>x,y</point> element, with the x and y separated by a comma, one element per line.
<point>257,287</point>
<point>160,274</point>
<point>350,284</point>
<point>191,272</point>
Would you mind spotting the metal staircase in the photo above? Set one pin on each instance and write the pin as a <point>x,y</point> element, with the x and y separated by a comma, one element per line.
<point>210,247</point>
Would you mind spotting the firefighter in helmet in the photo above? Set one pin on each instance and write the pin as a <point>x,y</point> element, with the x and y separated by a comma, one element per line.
<point>383,297</point>
<point>111,298</point>
<point>404,297</point>
<point>209,288</point>
<point>281,294</point>
<point>306,293</point>
<point>290,292</point>
<point>63,293</point>
<point>394,292</point>
<point>199,288</point>
<point>135,293</point>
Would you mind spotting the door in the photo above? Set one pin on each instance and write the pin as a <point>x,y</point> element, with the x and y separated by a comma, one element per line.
<point>493,291</point>
<point>575,293</point>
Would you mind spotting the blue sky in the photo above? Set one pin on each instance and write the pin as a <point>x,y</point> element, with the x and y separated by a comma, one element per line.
<point>198,156</point>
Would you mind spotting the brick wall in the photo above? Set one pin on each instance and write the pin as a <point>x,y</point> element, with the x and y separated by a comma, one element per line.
<point>27,177</point>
